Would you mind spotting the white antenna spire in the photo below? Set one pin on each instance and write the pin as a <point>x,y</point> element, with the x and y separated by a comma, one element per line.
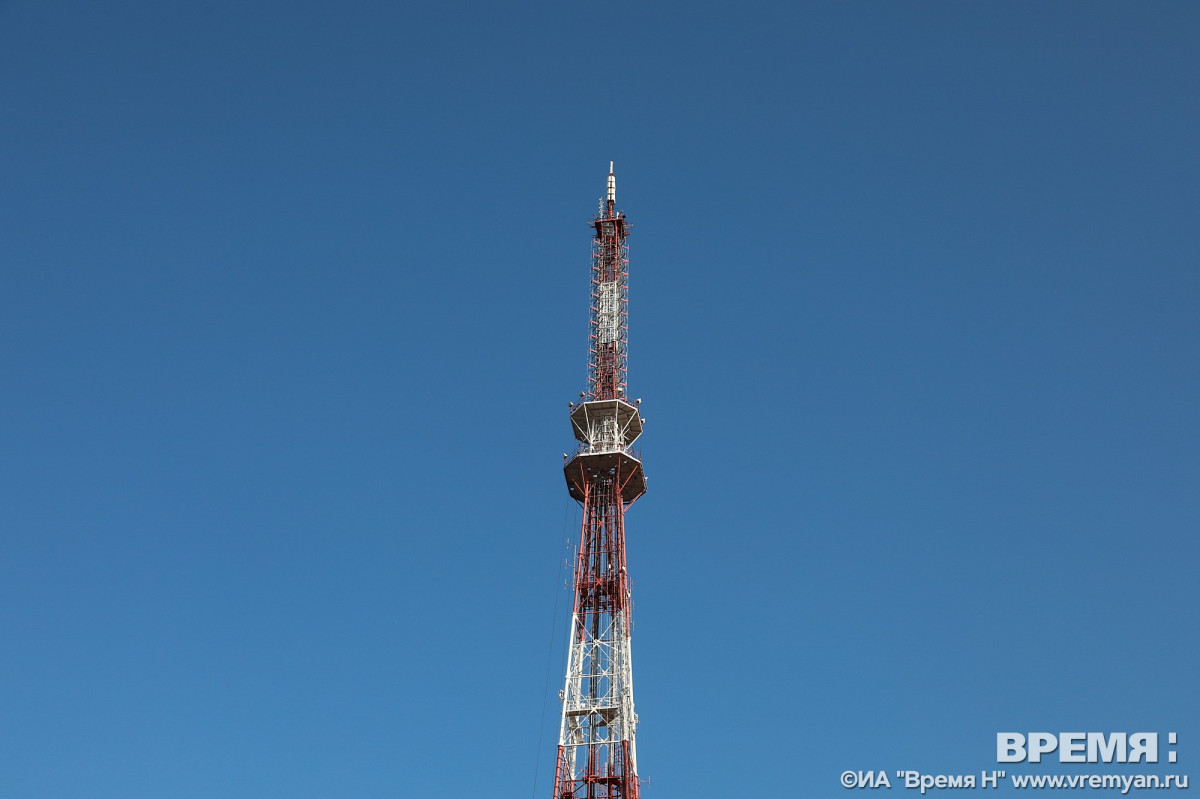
<point>612,184</point>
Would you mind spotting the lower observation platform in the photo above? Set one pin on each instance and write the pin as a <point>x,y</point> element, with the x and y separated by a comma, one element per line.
<point>626,470</point>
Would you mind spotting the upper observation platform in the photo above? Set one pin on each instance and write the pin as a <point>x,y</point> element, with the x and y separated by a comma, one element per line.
<point>612,422</point>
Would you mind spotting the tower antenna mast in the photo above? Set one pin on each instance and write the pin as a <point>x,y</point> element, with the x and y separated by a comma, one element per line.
<point>597,758</point>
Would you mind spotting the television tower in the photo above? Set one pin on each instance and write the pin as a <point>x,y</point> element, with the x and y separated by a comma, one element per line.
<point>597,758</point>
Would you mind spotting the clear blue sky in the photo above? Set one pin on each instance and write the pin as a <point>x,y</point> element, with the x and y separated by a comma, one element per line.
<point>293,297</point>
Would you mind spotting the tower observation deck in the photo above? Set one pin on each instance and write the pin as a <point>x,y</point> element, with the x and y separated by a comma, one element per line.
<point>597,758</point>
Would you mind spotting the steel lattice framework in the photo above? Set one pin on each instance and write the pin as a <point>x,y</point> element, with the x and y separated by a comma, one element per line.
<point>597,758</point>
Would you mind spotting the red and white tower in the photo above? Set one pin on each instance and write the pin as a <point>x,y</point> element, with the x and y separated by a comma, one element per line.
<point>597,758</point>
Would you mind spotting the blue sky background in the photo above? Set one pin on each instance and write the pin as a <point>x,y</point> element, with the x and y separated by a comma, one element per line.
<point>293,297</point>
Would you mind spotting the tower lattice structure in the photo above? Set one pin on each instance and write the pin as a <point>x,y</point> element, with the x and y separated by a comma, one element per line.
<point>597,757</point>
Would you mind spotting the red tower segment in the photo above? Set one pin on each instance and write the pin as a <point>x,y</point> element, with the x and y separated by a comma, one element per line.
<point>597,756</point>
